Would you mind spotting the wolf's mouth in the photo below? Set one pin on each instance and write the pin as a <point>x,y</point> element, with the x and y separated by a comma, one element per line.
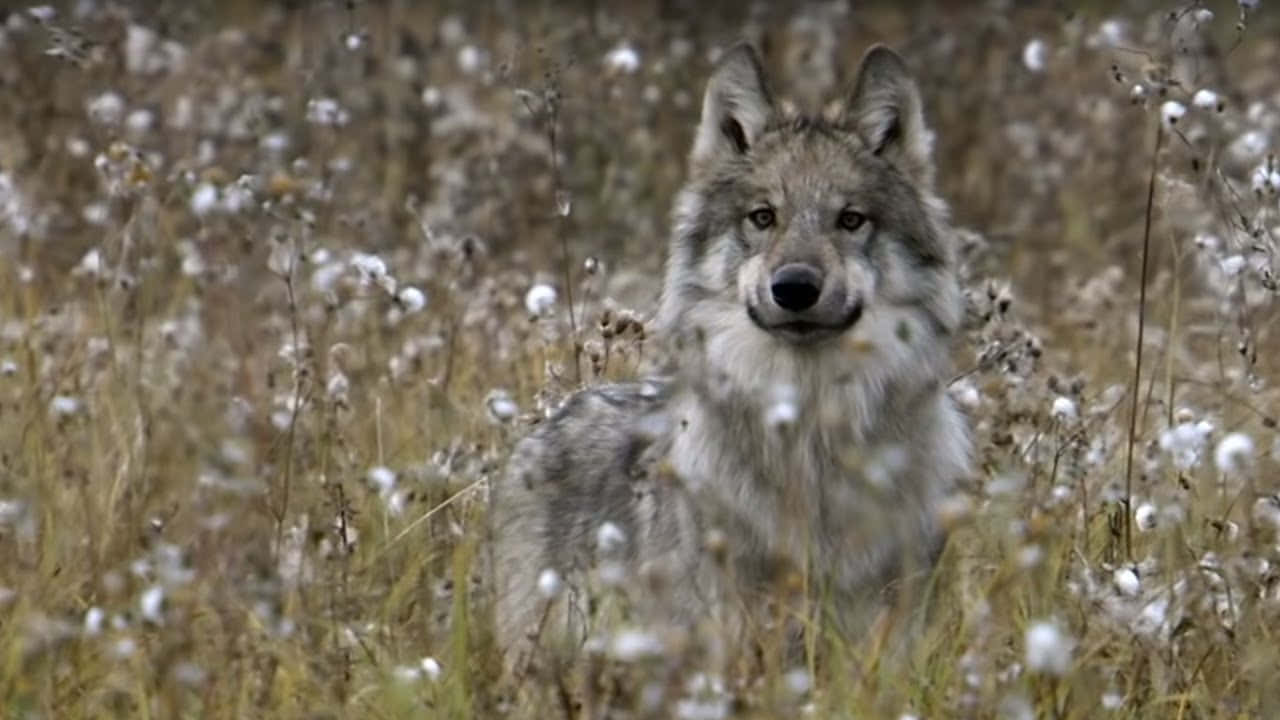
<point>807,331</point>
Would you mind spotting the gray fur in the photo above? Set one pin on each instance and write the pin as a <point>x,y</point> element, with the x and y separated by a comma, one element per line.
<point>824,454</point>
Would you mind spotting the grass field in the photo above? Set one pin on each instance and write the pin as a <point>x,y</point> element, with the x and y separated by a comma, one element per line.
<point>280,284</point>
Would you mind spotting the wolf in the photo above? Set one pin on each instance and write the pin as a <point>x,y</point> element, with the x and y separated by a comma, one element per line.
<point>802,436</point>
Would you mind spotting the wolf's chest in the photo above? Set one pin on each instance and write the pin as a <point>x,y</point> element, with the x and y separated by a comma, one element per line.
<point>793,494</point>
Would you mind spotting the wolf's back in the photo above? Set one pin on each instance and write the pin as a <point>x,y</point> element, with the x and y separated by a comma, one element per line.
<point>596,461</point>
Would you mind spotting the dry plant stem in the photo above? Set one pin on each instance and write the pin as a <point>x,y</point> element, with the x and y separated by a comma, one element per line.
<point>1170,381</point>
<point>550,117</point>
<point>564,246</point>
<point>282,507</point>
<point>1137,363</point>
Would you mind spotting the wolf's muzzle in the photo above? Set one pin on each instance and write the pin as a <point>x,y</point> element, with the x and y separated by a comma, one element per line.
<point>796,286</point>
<point>805,331</point>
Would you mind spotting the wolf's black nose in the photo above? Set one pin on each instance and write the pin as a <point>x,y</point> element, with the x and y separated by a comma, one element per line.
<point>796,286</point>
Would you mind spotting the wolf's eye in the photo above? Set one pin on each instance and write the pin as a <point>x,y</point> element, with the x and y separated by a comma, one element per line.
<point>761,217</point>
<point>850,220</point>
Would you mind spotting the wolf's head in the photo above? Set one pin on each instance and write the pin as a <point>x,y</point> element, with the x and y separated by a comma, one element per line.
<point>811,224</point>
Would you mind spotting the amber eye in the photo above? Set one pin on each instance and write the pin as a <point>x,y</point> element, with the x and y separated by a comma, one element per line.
<point>850,220</point>
<point>761,217</point>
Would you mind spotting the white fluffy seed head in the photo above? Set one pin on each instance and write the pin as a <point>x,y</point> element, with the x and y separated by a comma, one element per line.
<point>64,405</point>
<point>966,394</point>
<point>540,299</point>
<point>1185,443</point>
<point>151,604</point>
<point>610,538</point>
<point>1234,453</point>
<point>782,409</point>
<point>1048,648</point>
<point>370,266</point>
<point>411,299</point>
<point>1035,55</point>
<point>623,59</point>
<point>382,478</point>
<point>1232,265</point>
<point>1064,409</point>
<point>1126,581</point>
<point>1145,516</point>
<point>798,681</point>
<point>500,407</point>
<point>1266,513</point>
<point>94,619</point>
<point>1206,99</point>
<point>634,645</point>
<point>549,583</point>
<point>1171,112</point>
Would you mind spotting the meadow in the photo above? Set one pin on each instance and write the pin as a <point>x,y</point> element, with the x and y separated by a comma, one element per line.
<point>281,284</point>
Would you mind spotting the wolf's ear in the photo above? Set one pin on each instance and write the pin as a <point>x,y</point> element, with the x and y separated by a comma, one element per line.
<point>885,111</point>
<point>736,106</point>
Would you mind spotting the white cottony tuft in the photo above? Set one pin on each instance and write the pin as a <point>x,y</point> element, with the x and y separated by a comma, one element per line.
<point>798,681</point>
<point>1232,265</point>
<point>540,299</point>
<point>411,299</point>
<point>1186,442</point>
<point>1263,179</point>
<point>107,108</point>
<point>500,406</point>
<point>1064,409</point>
<point>1145,516</point>
<point>1034,55</point>
<point>140,121</point>
<point>205,199</point>
<point>151,604</point>
<point>93,620</point>
<point>326,111</point>
<point>337,385</point>
<point>610,537</point>
<point>471,59</point>
<point>64,405</point>
<point>966,394</point>
<point>1112,30</point>
<point>382,478</point>
<point>1048,648</point>
<point>90,265</point>
<point>782,410</point>
<point>1171,112</point>
<point>371,266</point>
<point>549,583</point>
<point>1266,512</point>
<point>1206,98</point>
<point>1234,453</point>
<point>431,668</point>
<point>1126,581</point>
<point>633,645</point>
<point>623,58</point>
<point>43,13</point>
